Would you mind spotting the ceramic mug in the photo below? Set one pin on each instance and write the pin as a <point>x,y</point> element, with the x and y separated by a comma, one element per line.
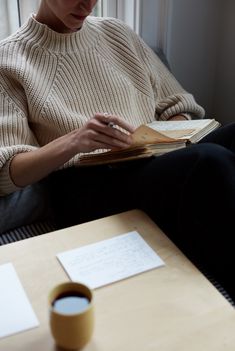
<point>71,315</point>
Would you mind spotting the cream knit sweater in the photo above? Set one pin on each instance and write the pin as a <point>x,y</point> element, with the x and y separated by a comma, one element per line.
<point>52,83</point>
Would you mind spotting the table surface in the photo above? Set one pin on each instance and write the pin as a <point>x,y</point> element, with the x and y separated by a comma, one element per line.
<point>170,308</point>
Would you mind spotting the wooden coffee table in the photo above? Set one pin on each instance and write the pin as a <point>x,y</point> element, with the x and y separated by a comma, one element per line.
<point>172,308</point>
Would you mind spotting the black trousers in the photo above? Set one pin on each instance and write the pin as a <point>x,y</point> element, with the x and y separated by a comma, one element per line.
<point>189,193</point>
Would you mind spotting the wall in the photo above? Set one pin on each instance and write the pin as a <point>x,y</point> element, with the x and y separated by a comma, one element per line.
<point>225,71</point>
<point>150,18</point>
<point>192,47</point>
<point>198,39</point>
<point>8,24</point>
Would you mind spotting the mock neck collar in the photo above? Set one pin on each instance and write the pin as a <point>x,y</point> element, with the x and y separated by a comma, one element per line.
<point>53,41</point>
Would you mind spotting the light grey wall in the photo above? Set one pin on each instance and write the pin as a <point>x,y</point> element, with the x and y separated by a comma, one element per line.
<point>8,24</point>
<point>149,27</point>
<point>224,97</point>
<point>200,47</point>
<point>192,47</point>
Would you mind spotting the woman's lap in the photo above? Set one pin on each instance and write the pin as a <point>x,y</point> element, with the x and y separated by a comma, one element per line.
<point>195,176</point>
<point>224,136</point>
<point>199,217</point>
<point>189,193</point>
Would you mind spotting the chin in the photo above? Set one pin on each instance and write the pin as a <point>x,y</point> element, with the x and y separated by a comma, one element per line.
<point>76,26</point>
<point>74,30</point>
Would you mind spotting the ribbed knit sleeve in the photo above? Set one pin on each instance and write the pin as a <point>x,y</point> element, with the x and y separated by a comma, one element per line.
<point>170,97</point>
<point>15,134</point>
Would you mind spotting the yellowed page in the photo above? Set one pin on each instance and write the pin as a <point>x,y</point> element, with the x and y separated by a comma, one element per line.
<point>144,135</point>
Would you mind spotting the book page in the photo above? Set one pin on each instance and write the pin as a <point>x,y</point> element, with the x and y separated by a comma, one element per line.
<point>180,134</point>
<point>110,260</point>
<point>16,313</point>
<point>181,129</point>
<point>145,135</point>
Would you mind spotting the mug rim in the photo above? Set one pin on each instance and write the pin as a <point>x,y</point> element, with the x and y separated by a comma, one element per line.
<point>68,286</point>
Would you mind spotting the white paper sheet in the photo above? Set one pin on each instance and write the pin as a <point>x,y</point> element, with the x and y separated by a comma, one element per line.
<point>109,260</point>
<point>16,313</point>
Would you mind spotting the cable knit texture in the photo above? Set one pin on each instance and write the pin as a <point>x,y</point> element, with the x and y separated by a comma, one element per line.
<point>52,83</point>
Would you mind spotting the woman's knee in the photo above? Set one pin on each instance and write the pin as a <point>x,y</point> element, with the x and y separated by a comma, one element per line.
<point>224,136</point>
<point>214,154</point>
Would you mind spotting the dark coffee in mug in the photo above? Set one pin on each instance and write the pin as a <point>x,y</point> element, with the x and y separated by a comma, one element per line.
<point>70,303</point>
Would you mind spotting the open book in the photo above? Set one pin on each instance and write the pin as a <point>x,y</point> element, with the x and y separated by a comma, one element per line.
<point>156,138</point>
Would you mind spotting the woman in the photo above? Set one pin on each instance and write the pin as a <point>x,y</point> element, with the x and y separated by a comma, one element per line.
<point>64,78</point>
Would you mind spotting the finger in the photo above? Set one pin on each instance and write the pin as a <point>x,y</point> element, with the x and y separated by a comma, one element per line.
<point>119,135</point>
<point>93,140</point>
<point>109,142</point>
<point>108,128</point>
<point>114,133</point>
<point>96,145</point>
<point>108,118</point>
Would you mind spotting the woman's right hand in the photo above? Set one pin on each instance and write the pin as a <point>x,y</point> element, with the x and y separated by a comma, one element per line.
<point>103,131</point>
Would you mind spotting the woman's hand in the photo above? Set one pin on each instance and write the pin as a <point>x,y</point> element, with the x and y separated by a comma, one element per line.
<point>178,118</point>
<point>100,132</point>
<point>103,131</point>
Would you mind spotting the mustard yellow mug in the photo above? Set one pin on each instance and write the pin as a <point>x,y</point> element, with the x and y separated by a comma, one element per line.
<point>71,315</point>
